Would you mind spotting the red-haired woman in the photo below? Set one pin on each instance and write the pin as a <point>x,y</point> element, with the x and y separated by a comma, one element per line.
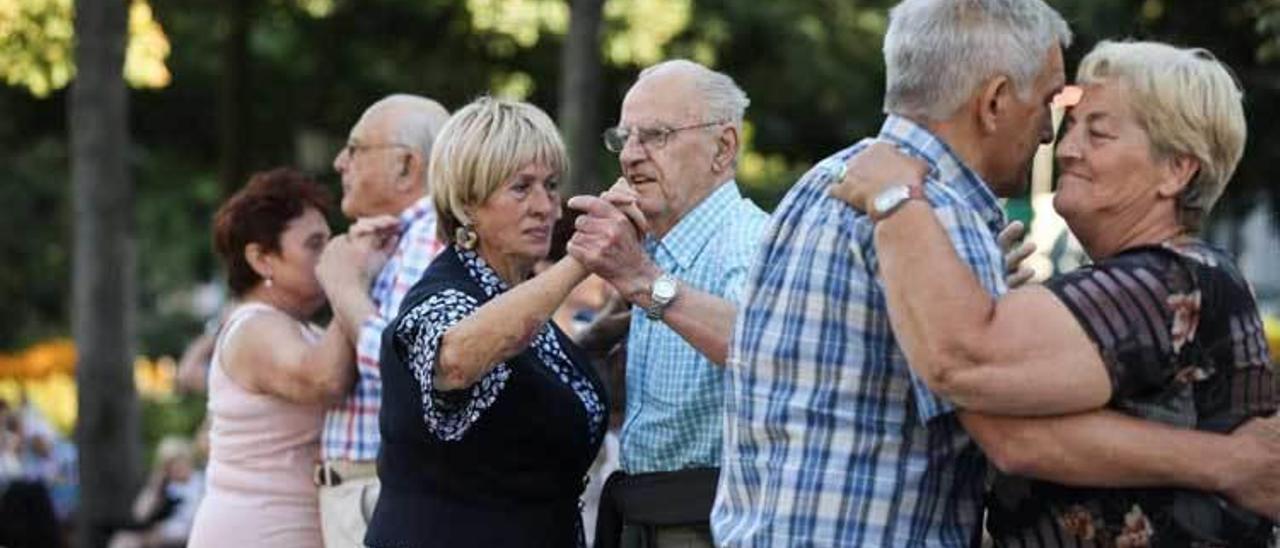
<point>272,371</point>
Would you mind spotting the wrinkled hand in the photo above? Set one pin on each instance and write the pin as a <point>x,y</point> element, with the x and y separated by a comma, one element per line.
<point>383,232</point>
<point>1016,274</point>
<point>607,243</point>
<point>625,198</point>
<point>357,256</point>
<point>1257,486</point>
<point>874,169</point>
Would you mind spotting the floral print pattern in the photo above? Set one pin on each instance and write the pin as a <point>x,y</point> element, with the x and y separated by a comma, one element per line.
<point>1186,317</point>
<point>1178,329</point>
<point>448,415</point>
<point>1078,520</point>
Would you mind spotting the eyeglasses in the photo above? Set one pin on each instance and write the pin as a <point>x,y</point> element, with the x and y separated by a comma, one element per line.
<point>354,148</point>
<point>615,138</point>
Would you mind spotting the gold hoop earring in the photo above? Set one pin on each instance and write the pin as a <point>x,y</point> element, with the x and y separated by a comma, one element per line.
<point>466,237</point>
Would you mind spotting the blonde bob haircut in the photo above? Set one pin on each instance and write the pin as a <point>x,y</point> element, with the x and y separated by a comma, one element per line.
<point>482,146</point>
<point>1188,102</point>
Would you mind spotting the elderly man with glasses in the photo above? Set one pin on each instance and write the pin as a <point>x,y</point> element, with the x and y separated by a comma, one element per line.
<point>677,142</point>
<point>384,186</point>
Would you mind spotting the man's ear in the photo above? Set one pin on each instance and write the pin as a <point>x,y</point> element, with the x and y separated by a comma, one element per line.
<point>993,103</point>
<point>727,147</point>
<point>411,168</point>
<point>259,260</point>
<point>1179,171</point>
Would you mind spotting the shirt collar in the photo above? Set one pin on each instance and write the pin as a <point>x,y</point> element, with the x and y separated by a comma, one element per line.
<point>946,167</point>
<point>685,240</point>
<point>421,209</point>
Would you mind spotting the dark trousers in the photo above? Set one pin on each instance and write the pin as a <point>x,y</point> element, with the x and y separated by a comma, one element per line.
<point>26,516</point>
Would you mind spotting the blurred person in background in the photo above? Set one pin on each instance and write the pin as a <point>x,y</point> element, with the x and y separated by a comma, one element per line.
<point>27,513</point>
<point>166,506</point>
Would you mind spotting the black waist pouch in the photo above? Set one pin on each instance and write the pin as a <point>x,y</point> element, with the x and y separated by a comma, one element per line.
<point>657,499</point>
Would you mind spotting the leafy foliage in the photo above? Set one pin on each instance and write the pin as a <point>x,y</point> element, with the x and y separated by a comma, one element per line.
<point>36,37</point>
<point>813,69</point>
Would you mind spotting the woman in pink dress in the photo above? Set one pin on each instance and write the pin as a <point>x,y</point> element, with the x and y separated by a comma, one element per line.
<point>272,371</point>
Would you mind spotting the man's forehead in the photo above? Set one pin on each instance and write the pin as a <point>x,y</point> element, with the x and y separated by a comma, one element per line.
<point>370,124</point>
<point>665,97</point>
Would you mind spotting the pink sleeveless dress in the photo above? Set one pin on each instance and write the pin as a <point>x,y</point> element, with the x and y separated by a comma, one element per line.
<point>262,453</point>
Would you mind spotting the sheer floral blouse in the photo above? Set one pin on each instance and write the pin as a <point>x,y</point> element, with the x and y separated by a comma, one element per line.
<point>1180,334</point>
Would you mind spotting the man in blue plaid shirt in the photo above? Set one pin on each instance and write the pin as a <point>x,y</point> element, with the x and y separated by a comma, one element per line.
<point>384,174</point>
<point>830,439</point>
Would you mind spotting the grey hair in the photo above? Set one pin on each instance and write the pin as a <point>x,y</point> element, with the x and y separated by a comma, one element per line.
<point>937,52</point>
<point>1188,102</point>
<point>723,100</point>
<point>416,123</point>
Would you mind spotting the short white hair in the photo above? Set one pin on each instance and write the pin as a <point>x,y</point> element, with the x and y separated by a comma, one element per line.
<point>723,100</point>
<point>416,121</point>
<point>1188,102</point>
<point>937,52</point>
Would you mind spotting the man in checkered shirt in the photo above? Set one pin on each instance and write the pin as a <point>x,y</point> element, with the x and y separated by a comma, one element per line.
<point>384,174</point>
<point>830,438</point>
<point>677,141</point>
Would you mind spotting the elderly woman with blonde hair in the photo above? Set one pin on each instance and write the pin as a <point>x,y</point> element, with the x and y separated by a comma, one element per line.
<point>491,416</point>
<point>1161,327</point>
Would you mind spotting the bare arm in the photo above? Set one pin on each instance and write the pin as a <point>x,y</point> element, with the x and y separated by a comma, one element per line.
<point>607,245</point>
<point>269,355</point>
<point>1108,449</point>
<point>1024,354</point>
<point>703,320</point>
<point>348,266</point>
<point>504,326</point>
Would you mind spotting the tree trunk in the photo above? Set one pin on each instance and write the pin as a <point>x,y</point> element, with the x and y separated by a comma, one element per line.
<point>579,96</point>
<point>103,272</point>
<point>233,97</point>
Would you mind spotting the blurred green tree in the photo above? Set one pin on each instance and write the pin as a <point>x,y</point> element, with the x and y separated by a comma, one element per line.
<point>258,83</point>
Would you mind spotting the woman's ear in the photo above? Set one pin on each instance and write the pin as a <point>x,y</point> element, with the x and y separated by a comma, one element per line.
<point>259,260</point>
<point>1179,171</point>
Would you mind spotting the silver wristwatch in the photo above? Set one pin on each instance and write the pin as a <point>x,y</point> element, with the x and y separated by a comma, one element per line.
<point>660,296</point>
<point>892,198</point>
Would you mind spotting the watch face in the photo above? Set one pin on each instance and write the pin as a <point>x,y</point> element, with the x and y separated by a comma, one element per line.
<point>664,288</point>
<point>890,198</point>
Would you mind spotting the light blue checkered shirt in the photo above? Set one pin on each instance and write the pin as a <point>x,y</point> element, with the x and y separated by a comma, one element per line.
<point>674,393</point>
<point>830,440</point>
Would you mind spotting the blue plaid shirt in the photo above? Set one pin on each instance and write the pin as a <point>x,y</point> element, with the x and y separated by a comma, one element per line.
<point>830,440</point>
<point>351,428</point>
<point>674,393</point>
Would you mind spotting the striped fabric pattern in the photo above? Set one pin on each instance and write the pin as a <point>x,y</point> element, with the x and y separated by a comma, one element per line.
<point>1178,329</point>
